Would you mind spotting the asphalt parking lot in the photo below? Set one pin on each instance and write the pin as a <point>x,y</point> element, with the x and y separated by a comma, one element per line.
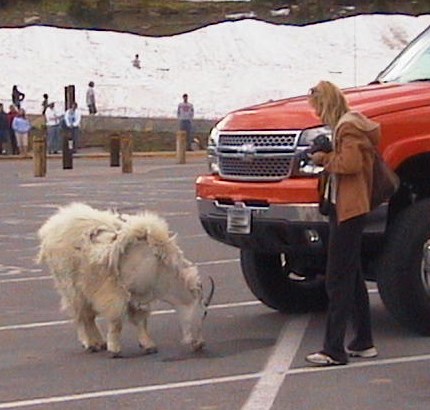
<point>254,359</point>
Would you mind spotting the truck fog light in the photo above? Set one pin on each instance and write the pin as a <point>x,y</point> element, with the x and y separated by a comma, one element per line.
<point>427,256</point>
<point>213,168</point>
<point>312,235</point>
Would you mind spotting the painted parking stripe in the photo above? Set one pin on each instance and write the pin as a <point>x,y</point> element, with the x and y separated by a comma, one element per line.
<point>36,325</point>
<point>126,391</point>
<point>218,262</point>
<point>362,363</point>
<point>197,383</point>
<point>47,277</point>
<point>265,391</point>
<point>28,279</point>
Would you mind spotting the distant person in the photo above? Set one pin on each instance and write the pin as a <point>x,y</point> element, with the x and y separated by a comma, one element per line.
<point>72,120</point>
<point>91,99</point>
<point>53,120</point>
<point>13,112</point>
<point>45,103</point>
<point>21,125</point>
<point>17,97</point>
<point>185,115</point>
<point>4,130</point>
<point>136,62</point>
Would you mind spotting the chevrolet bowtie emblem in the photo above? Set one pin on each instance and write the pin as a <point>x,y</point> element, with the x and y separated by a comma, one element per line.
<point>248,151</point>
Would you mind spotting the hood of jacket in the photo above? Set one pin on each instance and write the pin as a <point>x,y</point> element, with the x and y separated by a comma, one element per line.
<point>371,128</point>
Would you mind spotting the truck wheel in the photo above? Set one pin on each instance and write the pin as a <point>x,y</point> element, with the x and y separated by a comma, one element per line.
<point>270,280</point>
<point>403,275</point>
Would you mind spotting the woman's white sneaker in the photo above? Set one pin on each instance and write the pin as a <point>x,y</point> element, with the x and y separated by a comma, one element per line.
<point>322,359</point>
<point>365,354</point>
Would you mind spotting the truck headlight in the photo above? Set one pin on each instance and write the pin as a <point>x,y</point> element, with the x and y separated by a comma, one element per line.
<point>307,167</point>
<point>307,136</point>
<point>212,151</point>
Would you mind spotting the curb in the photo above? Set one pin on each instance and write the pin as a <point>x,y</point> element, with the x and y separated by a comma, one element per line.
<point>102,155</point>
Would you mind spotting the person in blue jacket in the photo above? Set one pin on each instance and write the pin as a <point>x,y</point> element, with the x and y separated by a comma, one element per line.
<point>21,125</point>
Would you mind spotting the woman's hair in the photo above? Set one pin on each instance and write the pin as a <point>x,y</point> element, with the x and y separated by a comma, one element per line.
<point>329,102</point>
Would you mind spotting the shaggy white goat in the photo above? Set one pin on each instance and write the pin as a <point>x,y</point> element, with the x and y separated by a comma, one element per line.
<point>114,265</point>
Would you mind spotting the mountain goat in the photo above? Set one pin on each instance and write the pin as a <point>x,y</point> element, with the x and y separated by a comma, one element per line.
<point>114,265</point>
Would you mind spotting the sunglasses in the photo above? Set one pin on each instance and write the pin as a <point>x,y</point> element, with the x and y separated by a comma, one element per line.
<point>312,91</point>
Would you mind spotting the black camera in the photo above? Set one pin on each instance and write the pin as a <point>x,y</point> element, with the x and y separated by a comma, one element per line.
<point>321,143</point>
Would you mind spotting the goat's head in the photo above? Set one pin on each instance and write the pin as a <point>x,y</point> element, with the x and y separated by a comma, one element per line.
<point>193,313</point>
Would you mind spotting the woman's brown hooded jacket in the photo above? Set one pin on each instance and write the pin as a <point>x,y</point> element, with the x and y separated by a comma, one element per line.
<point>356,138</point>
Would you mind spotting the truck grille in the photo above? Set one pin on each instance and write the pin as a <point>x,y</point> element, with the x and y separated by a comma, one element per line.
<point>259,156</point>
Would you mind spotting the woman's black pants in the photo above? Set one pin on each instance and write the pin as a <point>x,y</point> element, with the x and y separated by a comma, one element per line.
<point>346,288</point>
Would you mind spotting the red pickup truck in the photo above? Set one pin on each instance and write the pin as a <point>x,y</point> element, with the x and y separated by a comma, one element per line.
<point>259,198</point>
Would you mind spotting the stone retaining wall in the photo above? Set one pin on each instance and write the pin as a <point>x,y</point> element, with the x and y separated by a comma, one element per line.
<point>148,133</point>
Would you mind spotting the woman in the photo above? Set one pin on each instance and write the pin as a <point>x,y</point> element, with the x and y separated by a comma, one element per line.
<point>350,177</point>
<point>21,125</point>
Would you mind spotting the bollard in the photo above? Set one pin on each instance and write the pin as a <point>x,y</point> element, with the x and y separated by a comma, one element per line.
<point>181,146</point>
<point>39,156</point>
<point>127,154</point>
<point>114,150</point>
<point>67,150</point>
<point>45,153</point>
<point>69,96</point>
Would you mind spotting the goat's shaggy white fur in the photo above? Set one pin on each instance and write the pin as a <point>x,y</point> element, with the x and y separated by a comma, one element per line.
<point>114,265</point>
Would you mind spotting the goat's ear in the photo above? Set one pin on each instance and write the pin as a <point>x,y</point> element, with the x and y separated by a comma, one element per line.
<point>99,235</point>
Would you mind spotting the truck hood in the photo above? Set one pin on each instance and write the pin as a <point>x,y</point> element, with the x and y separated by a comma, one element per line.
<point>295,113</point>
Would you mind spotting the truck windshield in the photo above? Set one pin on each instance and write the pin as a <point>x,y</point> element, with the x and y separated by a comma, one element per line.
<point>412,64</point>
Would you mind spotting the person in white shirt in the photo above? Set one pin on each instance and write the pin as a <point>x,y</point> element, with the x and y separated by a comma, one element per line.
<point>72,120</point>
<point>53,119</point>
<point>185,116</point>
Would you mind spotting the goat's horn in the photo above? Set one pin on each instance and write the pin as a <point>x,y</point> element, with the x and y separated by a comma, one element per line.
<point>211,292</point>
<point>172,236</point>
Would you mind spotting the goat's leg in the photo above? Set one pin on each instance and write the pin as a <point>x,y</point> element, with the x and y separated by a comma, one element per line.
<point>92,339</point>
<point>139,317</point>
<point>111,302</point>
<point>114,337</point>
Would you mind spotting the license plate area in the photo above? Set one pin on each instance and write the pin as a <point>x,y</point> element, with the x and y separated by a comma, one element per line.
<point>239,219</point>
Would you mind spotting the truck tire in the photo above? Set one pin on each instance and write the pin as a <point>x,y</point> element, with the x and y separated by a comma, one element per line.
<point>403,277</point>
<point>270,280</point>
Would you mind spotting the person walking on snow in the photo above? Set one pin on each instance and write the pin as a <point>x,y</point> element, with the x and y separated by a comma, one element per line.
<point>136,62</point>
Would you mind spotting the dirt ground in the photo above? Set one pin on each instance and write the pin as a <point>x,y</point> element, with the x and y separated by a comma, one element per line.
<point>161,18</point>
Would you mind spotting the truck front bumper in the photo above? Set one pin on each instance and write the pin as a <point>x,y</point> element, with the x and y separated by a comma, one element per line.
<point>284,215</point>
<point>274,228</point>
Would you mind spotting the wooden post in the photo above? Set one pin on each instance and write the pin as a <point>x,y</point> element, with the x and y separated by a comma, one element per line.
<point>67,150</point>
<point>39,156</point>
<point>69,96</point>
<point>127,154</point>
<point>114,150</point>
<point>181,146</point>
